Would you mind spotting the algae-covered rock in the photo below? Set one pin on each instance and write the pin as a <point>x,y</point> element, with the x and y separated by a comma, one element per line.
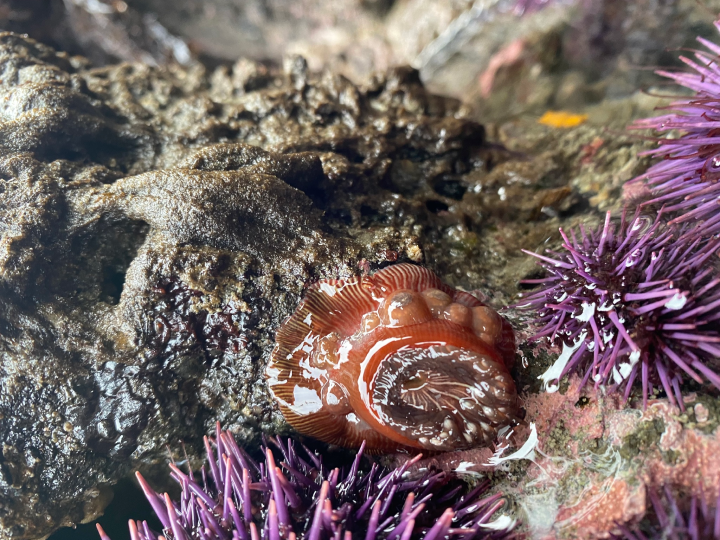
<point>157,225</point>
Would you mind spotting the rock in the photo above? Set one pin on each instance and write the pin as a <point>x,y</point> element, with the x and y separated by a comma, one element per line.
<point>505,57</point>
<point>155,228</point>
<point>509,58</point>
<point>158,224</point>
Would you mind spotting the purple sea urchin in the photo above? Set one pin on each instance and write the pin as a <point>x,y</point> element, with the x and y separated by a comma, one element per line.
<point>632,300</point>
<point>686,181</point>
<point>240,499</point>
<point>689,519</point>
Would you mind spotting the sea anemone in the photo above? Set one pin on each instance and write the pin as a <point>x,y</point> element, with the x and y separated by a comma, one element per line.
<point>638,299</point>
<point>397,359</point>
<point>691,518</point>
<point>242,499</point>
<point>686,181</point>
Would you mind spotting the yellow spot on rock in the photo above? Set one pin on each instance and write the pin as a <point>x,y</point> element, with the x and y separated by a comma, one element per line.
<point>562,119</point>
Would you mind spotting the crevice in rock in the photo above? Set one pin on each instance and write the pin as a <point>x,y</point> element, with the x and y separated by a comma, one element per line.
<point>436,206</point>
<point>96,261</point>
<point>450,188</point>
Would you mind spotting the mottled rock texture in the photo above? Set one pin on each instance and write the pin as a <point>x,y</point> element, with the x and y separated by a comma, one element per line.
<point>156,226</point>
<point>506,57</point>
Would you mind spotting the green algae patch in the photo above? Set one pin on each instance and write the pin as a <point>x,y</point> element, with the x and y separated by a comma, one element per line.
<point>646,437</point>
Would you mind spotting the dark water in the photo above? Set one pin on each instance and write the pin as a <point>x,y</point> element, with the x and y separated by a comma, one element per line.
<point>129,502</point>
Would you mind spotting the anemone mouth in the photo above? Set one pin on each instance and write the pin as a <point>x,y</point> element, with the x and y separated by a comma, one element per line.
<point>323,370</point>
<point>444,397</point>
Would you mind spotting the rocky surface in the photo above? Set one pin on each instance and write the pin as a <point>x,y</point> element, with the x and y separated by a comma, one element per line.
<point>156,225</point>
<point>159,220</point>
<point>505,57</point>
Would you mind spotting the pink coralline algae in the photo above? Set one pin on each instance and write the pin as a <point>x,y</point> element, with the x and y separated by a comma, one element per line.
<point>618,496</point>
<point>632,301</point>
<point>241,499</point>
<point>623,500</point>
<point>685,182</point>
<point>596,466</point>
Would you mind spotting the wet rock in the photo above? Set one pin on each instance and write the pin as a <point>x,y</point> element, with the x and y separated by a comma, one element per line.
<point>514,57</point>
<point>157,225</point>
<point>506,57</point>
<point>257,213</point>
<point>47,108</point>
<point>104,31</point>
<point>155,228</point>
